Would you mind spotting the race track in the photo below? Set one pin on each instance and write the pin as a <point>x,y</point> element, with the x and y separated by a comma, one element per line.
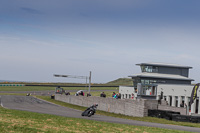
<point>32,104</point>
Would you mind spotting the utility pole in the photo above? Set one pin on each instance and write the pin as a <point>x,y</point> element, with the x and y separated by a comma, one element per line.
<point>89,81</point>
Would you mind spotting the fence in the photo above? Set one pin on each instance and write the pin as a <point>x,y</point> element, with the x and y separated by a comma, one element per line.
<point>11,84</point>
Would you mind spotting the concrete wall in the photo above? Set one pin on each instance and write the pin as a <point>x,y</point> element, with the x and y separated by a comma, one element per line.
<point>137,108</point>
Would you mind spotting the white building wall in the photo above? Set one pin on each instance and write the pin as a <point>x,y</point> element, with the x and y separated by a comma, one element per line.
<point>175,90</point>
<point>126,92</point>
<point>171,92</point>
<point>179,91</point>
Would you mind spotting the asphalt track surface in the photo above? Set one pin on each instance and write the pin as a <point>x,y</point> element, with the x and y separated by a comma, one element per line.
<point>32,104</point>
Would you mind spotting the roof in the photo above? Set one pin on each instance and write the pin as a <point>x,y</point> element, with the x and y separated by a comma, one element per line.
<point>164,64</point>
<point>162,76</point>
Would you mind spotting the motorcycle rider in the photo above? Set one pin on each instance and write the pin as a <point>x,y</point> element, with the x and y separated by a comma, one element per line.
<point>93,107</point>
<point>90,109</point>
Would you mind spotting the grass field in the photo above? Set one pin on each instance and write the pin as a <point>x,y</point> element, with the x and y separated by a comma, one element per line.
<point>21,94</point>
<point>41,88</point>
<point>29,122</point>
<point>25,88</point>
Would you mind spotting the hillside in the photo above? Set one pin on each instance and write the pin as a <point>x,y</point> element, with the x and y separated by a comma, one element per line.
<point>121,81</point>
<point>117,82</point>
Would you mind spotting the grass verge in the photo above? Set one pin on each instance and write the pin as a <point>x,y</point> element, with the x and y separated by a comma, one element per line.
<point>23,121</point>
<point>21,94</point>
<point>147,119</point>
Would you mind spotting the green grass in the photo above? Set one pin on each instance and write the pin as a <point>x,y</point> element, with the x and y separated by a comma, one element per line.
<point>29,122</point>
<point>147,119</point>
<point>21,94</point>
<point>25,88</point>
<point>40,88</point>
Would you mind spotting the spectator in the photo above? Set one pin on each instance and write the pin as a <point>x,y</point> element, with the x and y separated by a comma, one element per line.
<point>119,96</point>
<point>67,93</point>
<point>135,90</point>
<point>113,94</point>
<point>102,94</point>
<point>82,93</point>
<point>88,94</point>
<point>182,104</point>
<point>132,96</point>
<point>185,105</point>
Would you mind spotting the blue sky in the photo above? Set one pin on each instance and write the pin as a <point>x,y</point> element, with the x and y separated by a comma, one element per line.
<point>39,38</point>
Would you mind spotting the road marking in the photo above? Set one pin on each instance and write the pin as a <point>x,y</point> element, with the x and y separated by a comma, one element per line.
<point>1,102</point>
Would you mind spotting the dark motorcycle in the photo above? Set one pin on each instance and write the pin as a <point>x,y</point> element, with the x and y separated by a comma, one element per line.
<point>90,111</point>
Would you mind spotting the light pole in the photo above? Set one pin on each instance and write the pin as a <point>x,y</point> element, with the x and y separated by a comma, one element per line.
<point>89,81</point>
<point>79,77</point>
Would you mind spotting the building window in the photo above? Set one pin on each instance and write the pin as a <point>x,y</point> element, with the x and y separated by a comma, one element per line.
<point>148,81</point>
<point>150,69</point>
<point>155,69</point>
<point>148,90</point>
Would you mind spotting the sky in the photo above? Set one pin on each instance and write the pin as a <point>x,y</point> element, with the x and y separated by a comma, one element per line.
<point>39,38</point>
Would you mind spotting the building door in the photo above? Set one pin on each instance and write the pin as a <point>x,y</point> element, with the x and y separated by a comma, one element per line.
<point>153,90</point>
<point>170,101</point>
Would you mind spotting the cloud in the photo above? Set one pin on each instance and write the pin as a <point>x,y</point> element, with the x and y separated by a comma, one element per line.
<point>31,10</point>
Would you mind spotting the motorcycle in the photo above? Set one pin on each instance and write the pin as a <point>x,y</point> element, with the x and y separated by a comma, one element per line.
<point>90,111</point>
